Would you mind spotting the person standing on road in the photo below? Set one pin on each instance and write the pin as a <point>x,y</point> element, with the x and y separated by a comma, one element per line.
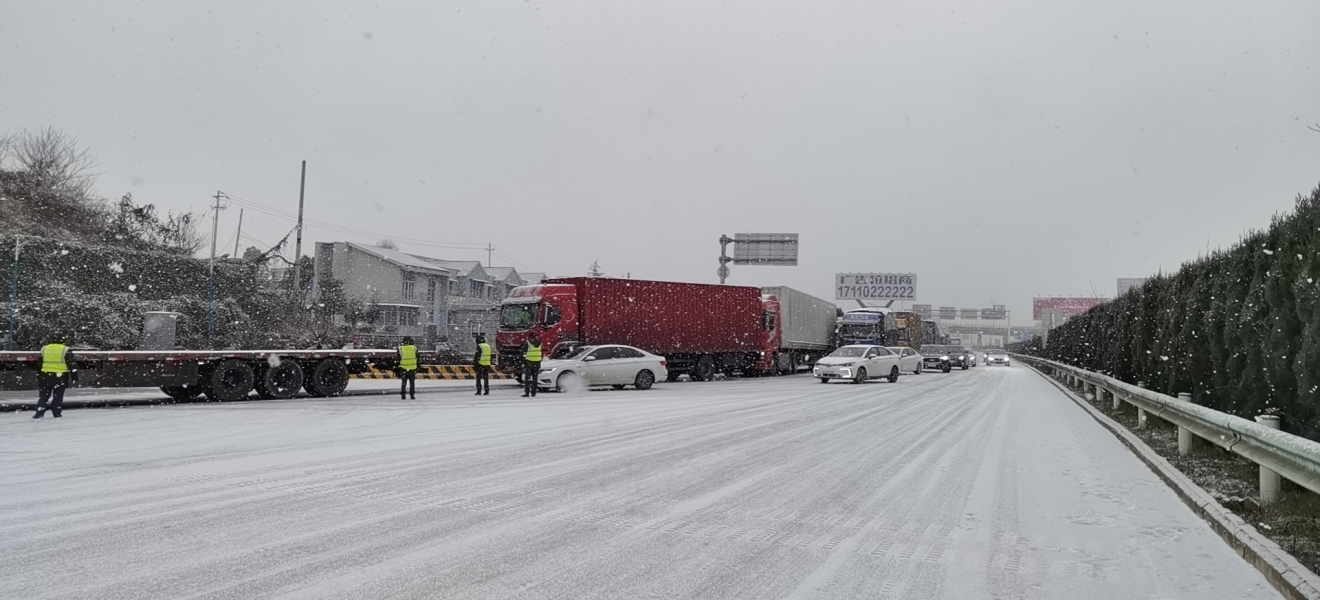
<point>531,364</point>
<point>407,369</point>
<point>481,360</point>
<point>56,359</point>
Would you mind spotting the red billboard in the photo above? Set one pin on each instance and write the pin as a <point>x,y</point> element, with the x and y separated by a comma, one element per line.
<point>1070,307</point>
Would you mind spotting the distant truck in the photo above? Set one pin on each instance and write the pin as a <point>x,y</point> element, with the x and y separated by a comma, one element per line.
<point>909,330</point>
<point>866,326</point>
<point>806,330</point>
<point>700,329</point>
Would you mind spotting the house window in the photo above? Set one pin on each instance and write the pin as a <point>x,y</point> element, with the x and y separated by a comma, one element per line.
<point>400,316</point>
<point>409,285</point>
<point>453,287</point>
<point>475,290</point>
<point>431,285</point>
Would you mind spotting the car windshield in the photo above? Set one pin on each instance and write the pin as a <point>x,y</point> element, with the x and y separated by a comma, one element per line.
<point>849,352</point>
<point>575,353</point>
<point>997,353</point>
<point>518,317</point>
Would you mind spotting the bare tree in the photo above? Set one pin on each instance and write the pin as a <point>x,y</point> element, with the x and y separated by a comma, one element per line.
<point>387,244</point>
<point>51,160</point>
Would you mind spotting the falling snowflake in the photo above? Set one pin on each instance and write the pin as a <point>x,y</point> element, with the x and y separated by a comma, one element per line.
<point>132,287</point>
<point>1269,252</point>
<point>116,267</point>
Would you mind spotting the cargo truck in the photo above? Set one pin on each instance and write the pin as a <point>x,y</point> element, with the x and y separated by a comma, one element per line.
<point>806,329</point>
<point>866,326</point>
<point>700,329</point>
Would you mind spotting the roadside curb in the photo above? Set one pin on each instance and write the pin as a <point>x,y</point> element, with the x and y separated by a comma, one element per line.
<point>1284,572</point>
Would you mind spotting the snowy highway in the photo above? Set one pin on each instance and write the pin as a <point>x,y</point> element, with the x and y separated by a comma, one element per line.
<point>987,483</point>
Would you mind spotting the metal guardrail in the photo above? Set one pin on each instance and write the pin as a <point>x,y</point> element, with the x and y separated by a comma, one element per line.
<point>1292,457</point>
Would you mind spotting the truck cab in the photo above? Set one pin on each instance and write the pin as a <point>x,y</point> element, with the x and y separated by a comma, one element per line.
<point>869,326</point>
<point>548,309</point>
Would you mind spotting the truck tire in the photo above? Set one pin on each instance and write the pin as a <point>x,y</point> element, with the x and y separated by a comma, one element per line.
<point>704,369</point>
<point>671,376</point>
<point>183,393</point>
<point>282,381</point>
<point>861,376</point>
<point>893,374</point>
<point>644,380</point>
<point>329,378</point>
<point>230,380</point>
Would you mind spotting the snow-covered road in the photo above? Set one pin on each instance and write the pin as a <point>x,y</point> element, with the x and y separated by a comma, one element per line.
<point>986,483</point>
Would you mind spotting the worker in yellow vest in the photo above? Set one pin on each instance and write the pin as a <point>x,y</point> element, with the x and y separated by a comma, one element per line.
<point>407,369</point>
<point>481,360</point>
<point>56,372</point>
<point>531,364</point>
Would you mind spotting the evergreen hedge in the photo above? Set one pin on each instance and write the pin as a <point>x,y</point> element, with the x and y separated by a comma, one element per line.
<point>97,295</point>
<point>1239,329</point>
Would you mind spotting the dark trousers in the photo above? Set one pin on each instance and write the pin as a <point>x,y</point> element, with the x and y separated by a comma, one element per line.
<point>408,384</point>
<point>483,376</point>
<point>52,389</point>
<point>530,371</point>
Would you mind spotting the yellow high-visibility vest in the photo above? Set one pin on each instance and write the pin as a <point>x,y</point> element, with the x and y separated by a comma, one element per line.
<point>52,359</point>
<point>408,358</point>
<point>533,353</point>
<point>485,354</point>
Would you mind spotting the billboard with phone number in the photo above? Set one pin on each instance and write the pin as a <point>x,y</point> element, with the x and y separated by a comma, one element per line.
<point>875,286</point>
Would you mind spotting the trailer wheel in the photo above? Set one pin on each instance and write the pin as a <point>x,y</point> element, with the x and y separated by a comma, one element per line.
<point>671,376</point>
<point>704,370</point>
<point>281,381</point>
<point>182,393</point>
<point>230,380</point>
<point>329,378</point>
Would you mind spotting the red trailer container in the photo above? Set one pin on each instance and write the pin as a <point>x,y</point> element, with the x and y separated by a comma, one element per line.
<point>699,328</point>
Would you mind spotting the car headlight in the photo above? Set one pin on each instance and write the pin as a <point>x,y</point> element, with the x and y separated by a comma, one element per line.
<point>549,370</point>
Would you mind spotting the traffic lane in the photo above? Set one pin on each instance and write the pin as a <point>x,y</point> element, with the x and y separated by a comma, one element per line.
<point>117,397</point>
<point>984,483</point>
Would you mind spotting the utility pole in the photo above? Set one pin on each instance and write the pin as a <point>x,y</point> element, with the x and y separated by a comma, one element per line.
<point>489,252</point>
<point>297,248</point>
<point>215,230</point>
<point>239,234</point>
<point>13,296</point>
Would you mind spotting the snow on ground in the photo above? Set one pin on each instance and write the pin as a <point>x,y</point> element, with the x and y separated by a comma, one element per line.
<point>986,483</point>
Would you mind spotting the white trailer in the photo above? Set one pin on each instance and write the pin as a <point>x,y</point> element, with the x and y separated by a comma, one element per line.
<point>807,328</point>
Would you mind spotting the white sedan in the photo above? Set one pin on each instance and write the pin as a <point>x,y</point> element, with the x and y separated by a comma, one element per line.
<point>858,363</point>
<point>909,360</point>
<point>590,366</point>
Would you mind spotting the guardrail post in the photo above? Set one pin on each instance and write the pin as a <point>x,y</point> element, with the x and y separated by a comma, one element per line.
<point>1270,482</point>
<point>1141,412</point>
<point>1117,402</point>
<point>1187,441</point>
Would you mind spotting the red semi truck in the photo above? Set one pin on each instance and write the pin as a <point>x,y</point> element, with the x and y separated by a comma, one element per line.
<point>700,329</point>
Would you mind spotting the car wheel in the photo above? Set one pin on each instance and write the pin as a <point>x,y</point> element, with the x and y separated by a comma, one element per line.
<point>918,370</point>
<point>824,380</point>
<point>964,366</point>
<point>644,380</point>
<point>893,374</point>
<point>947,368</point>
<point>861,376</point>
<point>567,381</point>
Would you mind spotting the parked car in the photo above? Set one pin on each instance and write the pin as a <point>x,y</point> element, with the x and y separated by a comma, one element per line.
<point>858,363</point>
<point>909,359</point>
<point>612,365</point>
<point>997,357</point>
<point>940,358</point>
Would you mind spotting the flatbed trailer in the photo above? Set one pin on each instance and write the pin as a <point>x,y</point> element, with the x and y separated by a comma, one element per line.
<point>222,375</point>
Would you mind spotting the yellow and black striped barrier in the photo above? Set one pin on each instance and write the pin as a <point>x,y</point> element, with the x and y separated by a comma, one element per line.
<point>430,372</point>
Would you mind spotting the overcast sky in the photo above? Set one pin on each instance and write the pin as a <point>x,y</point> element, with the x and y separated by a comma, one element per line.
<point>1000,150</point>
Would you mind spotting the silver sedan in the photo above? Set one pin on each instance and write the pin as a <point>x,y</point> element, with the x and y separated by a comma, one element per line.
<point>611,365</point>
